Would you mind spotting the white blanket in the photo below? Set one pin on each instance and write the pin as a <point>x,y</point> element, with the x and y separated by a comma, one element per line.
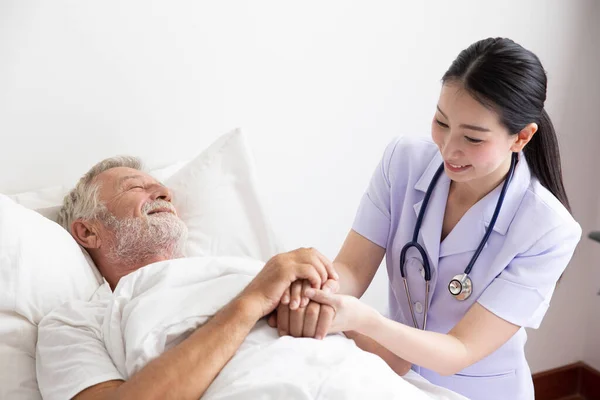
<point>158,306</point>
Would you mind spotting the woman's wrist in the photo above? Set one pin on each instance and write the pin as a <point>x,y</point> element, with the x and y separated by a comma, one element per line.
<point>369,322</point>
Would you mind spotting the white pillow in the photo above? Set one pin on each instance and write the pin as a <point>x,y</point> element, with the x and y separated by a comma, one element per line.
<point>215,195</point>
<point>18,337</point>
<point>41,267</point>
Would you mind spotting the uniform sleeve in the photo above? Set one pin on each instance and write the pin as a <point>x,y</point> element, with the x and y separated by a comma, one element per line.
<point>521,293</point>
<point>373,216</point>
<point>70,355</point>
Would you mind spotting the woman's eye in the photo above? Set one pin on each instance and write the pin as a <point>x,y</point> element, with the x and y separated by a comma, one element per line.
<point>473,140</point>
<point>440,123</point>
<point>136,187</point>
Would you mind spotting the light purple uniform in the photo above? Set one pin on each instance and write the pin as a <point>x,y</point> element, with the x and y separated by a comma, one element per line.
<point>514,276</point>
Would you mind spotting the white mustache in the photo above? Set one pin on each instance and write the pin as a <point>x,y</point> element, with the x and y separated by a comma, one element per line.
<point>158,204</point>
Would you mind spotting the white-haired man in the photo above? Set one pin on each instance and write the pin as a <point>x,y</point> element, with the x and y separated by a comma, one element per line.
<point>125,220</point>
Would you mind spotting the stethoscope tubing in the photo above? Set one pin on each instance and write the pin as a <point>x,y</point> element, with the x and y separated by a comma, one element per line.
<point>414,243</point>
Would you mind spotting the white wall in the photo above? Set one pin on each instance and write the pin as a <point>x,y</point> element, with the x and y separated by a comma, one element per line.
<point>320,87</point>
<point>571,328</point>
<point>591,114</point>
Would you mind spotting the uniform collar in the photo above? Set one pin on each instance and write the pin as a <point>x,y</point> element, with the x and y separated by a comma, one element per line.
<point>469,231</point>
<point>512,200</point>
<point>425,179</point>
<point>514,194</point>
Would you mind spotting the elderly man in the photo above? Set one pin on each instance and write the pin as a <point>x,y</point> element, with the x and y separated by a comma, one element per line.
<point>125,220</point>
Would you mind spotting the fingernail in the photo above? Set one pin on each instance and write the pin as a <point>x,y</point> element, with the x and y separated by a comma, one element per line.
<point>282,333</point>
<point>294,305</point>
<point>336,275</point>
<point>285,300</point>
<point>309,292</point>
<point>319,337</point>
<point>304,302</point>
<point>327,289</point>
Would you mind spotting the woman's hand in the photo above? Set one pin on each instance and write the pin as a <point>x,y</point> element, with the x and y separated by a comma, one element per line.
<point>350,313</point>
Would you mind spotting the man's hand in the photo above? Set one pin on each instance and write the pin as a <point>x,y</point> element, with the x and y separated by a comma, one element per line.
<point>311,320</point>
<point>297,316</point>
<point>273,282</point>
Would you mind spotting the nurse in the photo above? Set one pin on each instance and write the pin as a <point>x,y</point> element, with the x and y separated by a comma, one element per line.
<point>489,126</point>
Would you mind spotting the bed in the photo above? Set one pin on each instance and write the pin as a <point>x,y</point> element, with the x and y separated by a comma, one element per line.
<point>42,267</point>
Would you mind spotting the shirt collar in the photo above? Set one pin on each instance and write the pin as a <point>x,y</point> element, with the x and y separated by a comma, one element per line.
<point>512,200</point>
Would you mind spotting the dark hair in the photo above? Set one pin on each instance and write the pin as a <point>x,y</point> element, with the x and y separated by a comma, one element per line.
<point>510,79</point>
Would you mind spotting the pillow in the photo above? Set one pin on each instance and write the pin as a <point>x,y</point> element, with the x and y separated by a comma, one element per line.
<point>216,196</point>
<point>41,266</point>
<point>18,337</point>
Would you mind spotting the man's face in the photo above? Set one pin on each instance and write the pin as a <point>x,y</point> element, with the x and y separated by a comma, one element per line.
<point>141,222</point>
<point>125,191</point>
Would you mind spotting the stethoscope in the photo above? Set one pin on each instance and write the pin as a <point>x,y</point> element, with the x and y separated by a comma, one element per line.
<point>460,286</point>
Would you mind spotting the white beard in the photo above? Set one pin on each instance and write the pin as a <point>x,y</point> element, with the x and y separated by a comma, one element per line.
<point>139,238</point>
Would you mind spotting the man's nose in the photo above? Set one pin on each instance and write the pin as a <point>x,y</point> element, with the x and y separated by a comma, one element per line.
<point>161,192</point>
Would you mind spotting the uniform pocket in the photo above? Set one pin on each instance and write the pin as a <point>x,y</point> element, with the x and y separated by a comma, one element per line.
<point>493,385</point>
<point>490,375</point>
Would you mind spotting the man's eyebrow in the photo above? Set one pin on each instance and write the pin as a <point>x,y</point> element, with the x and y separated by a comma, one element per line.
<point>123,179</point>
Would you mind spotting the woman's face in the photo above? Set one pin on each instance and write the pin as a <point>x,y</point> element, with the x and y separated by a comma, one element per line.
<point>473,143</point>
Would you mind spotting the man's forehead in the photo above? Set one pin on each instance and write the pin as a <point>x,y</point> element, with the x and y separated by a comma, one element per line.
<point>114,178</point>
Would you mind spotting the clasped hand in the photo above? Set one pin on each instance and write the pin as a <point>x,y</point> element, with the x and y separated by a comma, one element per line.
<point>305,311</point>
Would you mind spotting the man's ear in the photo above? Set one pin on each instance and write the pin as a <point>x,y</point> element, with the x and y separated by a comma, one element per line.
<point>524,137</point>
<point>86,234</point>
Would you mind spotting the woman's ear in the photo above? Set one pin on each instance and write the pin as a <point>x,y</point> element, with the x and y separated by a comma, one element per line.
<point>86,234</point>
<point>524,137</point>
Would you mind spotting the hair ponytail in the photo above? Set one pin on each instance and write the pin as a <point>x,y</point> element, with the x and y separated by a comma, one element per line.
<point>543,157</point>
<point>504,76</point>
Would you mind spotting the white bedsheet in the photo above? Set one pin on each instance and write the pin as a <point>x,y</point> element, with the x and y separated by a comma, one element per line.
<point>159,305</point>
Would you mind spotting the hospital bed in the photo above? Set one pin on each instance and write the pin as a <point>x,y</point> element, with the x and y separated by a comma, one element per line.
<point>41,266</point>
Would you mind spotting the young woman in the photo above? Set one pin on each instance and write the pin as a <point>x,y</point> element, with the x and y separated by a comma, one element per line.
<point>486,218</point>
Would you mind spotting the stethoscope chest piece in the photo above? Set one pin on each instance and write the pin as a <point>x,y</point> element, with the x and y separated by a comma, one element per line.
<point>461,287</point>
